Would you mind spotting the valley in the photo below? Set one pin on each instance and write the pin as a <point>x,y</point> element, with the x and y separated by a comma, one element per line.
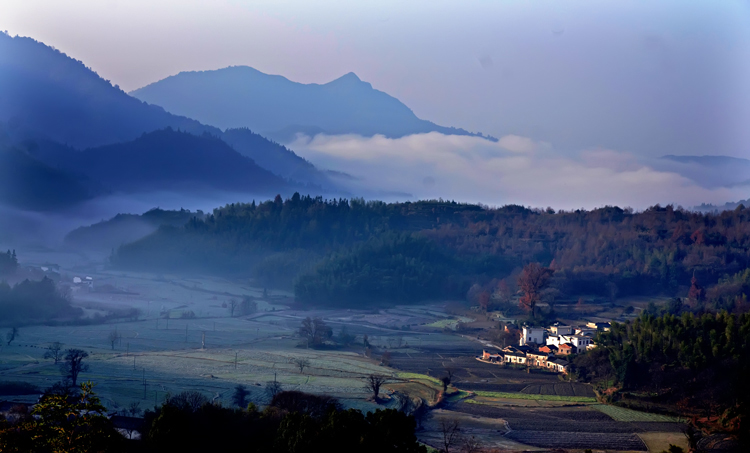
<point>164,353</point>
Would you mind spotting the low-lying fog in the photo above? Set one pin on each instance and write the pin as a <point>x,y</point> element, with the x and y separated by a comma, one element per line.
<point>47,229</point>
<point>519,170</point>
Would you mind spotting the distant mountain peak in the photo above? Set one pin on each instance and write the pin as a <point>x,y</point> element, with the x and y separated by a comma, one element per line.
<point>348,77</point>
<point>279,108</point>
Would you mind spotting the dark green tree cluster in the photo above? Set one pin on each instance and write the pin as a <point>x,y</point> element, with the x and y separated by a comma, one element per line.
<point>8,262</point>
<point>32,301</point>
<point>608,252</point>
<point>294,422</point>
<point>398,268</point>
<point>699,362</point>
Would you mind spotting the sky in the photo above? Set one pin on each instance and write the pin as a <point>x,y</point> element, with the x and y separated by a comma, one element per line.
<point>638,79</point>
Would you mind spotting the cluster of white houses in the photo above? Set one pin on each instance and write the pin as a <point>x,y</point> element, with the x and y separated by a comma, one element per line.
<point>541,347</point>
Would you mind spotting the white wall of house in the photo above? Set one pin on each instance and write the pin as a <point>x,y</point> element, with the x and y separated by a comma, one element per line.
<point>561,330</point>
<point>532,335</point>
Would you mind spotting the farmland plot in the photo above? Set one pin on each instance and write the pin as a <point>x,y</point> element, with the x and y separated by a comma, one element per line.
<point>567,389</point>
<point>610,441</point>
<point>629,415</point>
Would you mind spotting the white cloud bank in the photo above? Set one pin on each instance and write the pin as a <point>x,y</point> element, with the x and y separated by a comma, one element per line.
<point>515,170</point>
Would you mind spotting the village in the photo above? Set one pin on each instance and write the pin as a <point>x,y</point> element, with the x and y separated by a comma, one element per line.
<point>545,347</point>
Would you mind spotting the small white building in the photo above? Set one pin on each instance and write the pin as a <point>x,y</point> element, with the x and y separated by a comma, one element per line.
<point>561,330</point>
<point>532,336</point>
<point>585,330</point>
<point>580,342</point>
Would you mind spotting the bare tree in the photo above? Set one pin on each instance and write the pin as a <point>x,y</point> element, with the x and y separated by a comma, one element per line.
<point>447,378</point>
<point>233,304</point>
<point>373,383</point>
<point>113,337</point>
<point>385,359</point>
<point>344,337</point>
<point>533,279</point>
<point>134,409</point>
<point>240,396</point>
<point>470,445</point>
<point>301,363</point>
<point>12,334</point>
<point>189,400</point>
<point>314,331</point>
<point>73,365</point>
<point>451,432</point>
<point>273,388</point>
<point>248,306</point>
<point>54,352</point>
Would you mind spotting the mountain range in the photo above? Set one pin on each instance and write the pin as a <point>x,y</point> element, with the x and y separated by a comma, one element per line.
<point>276,107</point>
<point>164,160</point>
<point>64,127</point>
<point>709,171</point>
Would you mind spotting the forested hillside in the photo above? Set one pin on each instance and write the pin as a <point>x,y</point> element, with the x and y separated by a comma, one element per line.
<point>27,183</point>
<point>698,363</point>
<point>657,251</point>
<point>165,159</point>
<point>124,228</point>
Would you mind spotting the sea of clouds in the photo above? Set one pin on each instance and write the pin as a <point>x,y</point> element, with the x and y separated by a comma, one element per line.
<point>514,169</point>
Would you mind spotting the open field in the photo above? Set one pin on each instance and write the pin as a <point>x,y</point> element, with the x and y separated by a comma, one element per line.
<point>537,396</point>
<point>506,408</point>
<point>629,415</point>
<point>658,442</point>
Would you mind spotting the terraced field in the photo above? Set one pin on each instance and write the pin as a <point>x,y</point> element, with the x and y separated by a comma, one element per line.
<point>565,389</point>
<point>536,396</point>
<point>539,410</point>
<point>577,440</point>
<point>628,415</point>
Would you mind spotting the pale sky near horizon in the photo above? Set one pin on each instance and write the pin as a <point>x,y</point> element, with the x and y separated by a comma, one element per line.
<point>641,77</point>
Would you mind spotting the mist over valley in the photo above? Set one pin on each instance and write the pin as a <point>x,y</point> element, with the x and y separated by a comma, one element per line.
<point>503,228</point>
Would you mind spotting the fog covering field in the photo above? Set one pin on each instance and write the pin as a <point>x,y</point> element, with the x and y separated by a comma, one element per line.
<point>502,407</point>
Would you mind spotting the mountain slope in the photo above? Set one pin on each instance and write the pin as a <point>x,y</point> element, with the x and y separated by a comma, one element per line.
<point>708,171</point>
<point>274,157</point>
<point>28,184</point>
<point>240,96</point>
<point>47,96</point>
<point>165,159</point>
<point>125,228</point>
<point>710,161</point>
<point>46,92</point>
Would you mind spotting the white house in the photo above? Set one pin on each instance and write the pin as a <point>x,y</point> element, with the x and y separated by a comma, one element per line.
<point>561,330</point>
<point>585,330</point>
<point>581,342</point>
<point>532,335</point>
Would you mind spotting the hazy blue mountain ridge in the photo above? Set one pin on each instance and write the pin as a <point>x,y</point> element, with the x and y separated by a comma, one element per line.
<point>45,91</point>
<point>165,159</point>
<point>53,105</point>
<point>276,107</point>
<point>125,228</point>
<point>28,184</point>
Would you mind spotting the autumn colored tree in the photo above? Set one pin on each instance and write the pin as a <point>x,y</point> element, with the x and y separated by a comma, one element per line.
<point>484,300</point>
<point>61,422</point>
<point>533,279</point>
<point>696,292</point>
<point>504,292</point>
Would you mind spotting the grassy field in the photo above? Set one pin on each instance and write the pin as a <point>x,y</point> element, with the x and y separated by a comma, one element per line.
<point>528,396</point>
<point>169,355</point>
<point>419,377</point>
<point>622,414</point>
<point>659,442</point>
